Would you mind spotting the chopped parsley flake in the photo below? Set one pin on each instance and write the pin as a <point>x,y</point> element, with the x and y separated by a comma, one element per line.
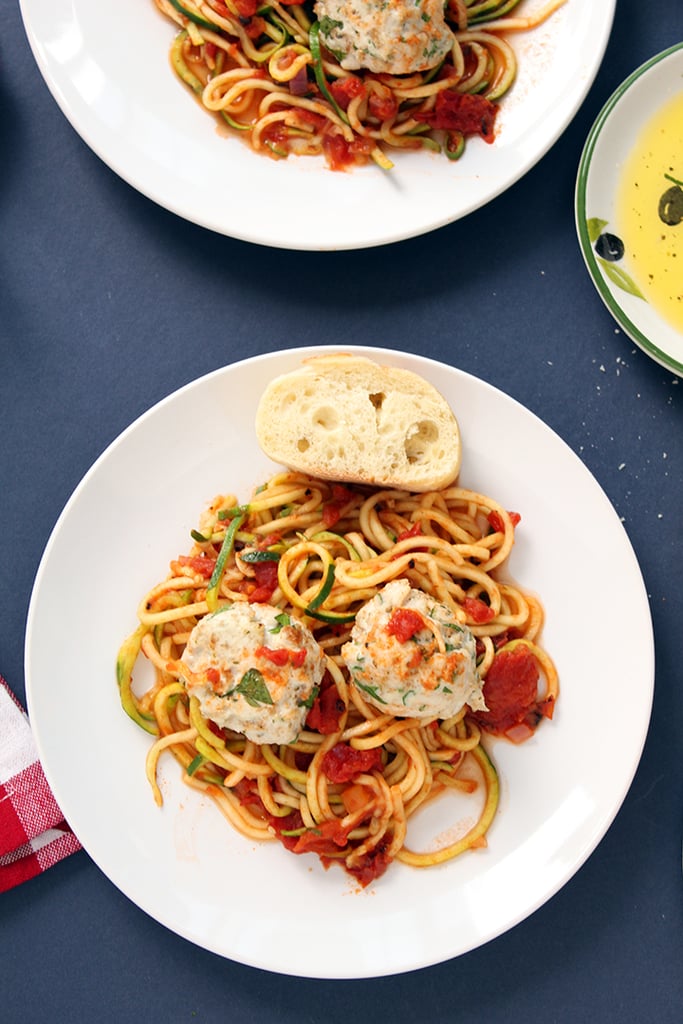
<point>372,690</point>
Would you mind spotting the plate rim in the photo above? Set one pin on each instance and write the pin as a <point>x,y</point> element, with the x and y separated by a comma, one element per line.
<point>607,814</point>
<point>584,168</point>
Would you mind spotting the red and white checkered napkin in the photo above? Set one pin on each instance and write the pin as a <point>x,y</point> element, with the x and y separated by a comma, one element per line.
<point>33,833</point>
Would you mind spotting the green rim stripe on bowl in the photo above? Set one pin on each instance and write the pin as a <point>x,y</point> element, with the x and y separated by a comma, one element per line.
<point>617,312</point>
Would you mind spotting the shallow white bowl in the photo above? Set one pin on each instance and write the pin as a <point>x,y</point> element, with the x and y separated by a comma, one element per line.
<point>609,144</point>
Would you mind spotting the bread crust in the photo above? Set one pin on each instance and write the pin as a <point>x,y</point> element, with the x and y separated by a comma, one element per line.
<point>348,418</point>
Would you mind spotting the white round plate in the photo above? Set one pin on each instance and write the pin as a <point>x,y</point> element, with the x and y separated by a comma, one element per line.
<point>609,143</point>
<point>258,904</point>
<point>108,68</point>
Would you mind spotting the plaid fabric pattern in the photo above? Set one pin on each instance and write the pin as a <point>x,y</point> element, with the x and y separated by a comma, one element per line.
<point>33,832</point>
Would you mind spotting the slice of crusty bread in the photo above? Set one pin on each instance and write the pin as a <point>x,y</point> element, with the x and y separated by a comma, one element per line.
<point>344,417</point>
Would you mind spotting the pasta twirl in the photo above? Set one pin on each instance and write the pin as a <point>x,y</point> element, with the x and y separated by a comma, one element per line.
<point>347,785</point>
<point>351,81</point>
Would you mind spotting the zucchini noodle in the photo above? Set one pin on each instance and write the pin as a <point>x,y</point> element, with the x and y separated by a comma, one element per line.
<point>317,552</point>
<point>263,69</point>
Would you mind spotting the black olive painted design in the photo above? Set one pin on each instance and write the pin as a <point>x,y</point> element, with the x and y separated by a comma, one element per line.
<point>671,203</point>
<point>610,247</point>
<point>609,251</point>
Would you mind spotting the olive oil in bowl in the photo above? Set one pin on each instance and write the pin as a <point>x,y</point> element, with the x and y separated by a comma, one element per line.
<point>650,211</point>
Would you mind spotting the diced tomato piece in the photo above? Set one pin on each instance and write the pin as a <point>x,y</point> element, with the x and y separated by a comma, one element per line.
<point>246,791</point>
<point>255,27</point>
<point>302,760</point>
<point>213,676</point>
<point>371,866</point>
<point>404,624</point>
<point>201,564</point>
<point>331,515</point>
<point>341,494</point>
<point>261,589</point>
<point>477,610</point>
<point>346,89</point>
<point>291,823</point>
<point>310,117</point>
<point>510,691</point>
<point>496,520</point>
<point>463,112</point>
<point>328,707</point>
<point>356,797</point>
<point>341,154</point>
<point>327,838</point>
<point>275,655</point>
<point>297,658</point>
<point>246,8</point>
<point>414,531</point>
<point>382,106</point>
<point>332,510</point>
<point>269,541</point>
<point>281,656</point>
<point>343,763</point>
<point>215,729</point>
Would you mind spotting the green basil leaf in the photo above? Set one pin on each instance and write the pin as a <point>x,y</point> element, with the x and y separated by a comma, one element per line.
<point>253,688</point>
<point>282,620</point>
<point>308,703</point>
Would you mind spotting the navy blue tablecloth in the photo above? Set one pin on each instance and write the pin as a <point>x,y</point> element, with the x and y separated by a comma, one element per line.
<point>108,303</point>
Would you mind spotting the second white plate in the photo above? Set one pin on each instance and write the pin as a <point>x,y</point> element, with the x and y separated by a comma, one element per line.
<point>258,904</point>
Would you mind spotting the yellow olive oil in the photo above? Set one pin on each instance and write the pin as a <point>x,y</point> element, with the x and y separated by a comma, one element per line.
<point>650,211</point>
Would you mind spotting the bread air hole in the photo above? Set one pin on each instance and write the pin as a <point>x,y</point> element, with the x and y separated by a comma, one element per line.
<point>303,444</point>
<point>419,439</point>
<point>326,418</point>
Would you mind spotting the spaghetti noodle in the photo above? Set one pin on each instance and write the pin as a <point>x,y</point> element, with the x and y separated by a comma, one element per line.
<point>316,552</point>
<point>274,73</point>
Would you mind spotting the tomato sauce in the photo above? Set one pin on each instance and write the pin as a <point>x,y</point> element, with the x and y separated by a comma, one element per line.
<point>341,154</point>
<point>333,509</point>
<point>343,763</point>
<point>478,611</point>
<point>496,523</point>
<point>511,694</point>
<point>201,564</point>
<point>468,113</point>
<point>327,709</point>
<point>326,840</point>
<point>260,589</point>
<point>346,89</point>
